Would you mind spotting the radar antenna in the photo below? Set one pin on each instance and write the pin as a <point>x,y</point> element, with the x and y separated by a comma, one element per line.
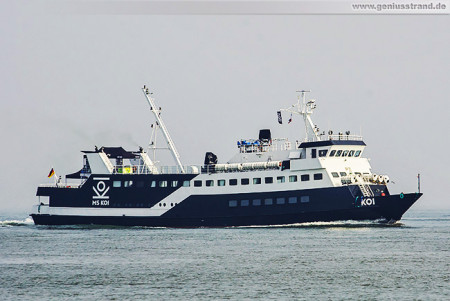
<point>305,108</point>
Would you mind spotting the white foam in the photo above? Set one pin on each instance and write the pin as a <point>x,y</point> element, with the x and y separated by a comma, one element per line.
<point>25,222</point>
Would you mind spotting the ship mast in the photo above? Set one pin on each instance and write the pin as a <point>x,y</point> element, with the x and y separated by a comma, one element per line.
<point>159,122</point>
<point>305,109</point>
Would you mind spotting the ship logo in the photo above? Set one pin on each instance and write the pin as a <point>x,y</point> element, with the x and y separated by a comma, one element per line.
<point>101,189</point>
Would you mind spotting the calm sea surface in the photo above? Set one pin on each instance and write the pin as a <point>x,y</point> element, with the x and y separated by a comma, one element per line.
<point>316,261</point>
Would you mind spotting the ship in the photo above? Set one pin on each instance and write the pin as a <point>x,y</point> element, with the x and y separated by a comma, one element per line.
<point>323,177</point>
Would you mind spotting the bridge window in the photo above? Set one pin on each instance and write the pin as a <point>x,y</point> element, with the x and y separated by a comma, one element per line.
<point>268,180</point>
<point>232,203</point>
<point>344,154</point>
<point>186,183</point>
<point>174,183</point>
<point>209,183</point>
<point>323,152</point>
<point>318,176</point>
<point>351,153</point>
<point>313,153</point>
<point>245,181</point>
<point>339,152</point>
<point>280,179</point>
<point>117,183</point>
<point>343,173</point>
<point>256,180</point>
<point>140,184</point>
<point>332,153</point>
<point>304,199</point>
<point>162,183</point>
<point>245,203</point>
<point>220,182</point>
<point>257,202</point>
<point>292,200</point>
<point>268,201</point>
<point>153,184</point>
<point>305,178</point>
<point>292,178</point>
<point>335,174</point>
<point>198,183</point>
<point>233,182</point>
<point>357,153</point>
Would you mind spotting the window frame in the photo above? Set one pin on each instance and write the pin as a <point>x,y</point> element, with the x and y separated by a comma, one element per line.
<point>305,177</point>
<point>268,180</point>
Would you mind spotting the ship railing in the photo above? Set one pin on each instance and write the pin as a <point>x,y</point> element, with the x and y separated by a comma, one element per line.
<point>345,137</point>
<point>256,146</point>
<point>144,169</point>
<point>61,185</point>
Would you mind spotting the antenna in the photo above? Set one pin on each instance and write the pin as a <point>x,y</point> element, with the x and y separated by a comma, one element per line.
<point>159,123</point>
<point>305,108</point>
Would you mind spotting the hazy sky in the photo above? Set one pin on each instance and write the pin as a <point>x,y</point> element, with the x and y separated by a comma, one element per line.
<point>69,82</point>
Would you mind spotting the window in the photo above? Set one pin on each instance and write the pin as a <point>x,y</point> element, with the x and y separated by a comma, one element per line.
<point>209,183</point>
<point>198,183</point>
<point>332,153</point>
<point>318,176</point>
<point>174,183</point>
<point>257,202</point>
<point>357,153</point>
<point>292,200</point>
<point>245,181</point>
<point>304,199</point>
<point>344,154</point>
<point>233,182</point>
<point>256,180</point>
<point>127,183</point>
<point>351,153</point>
<point>245,203</point>
<point>268,180</point>
<point>338,154</point>
<point>153,184</point>
<point>313,153</point>
<point>343,174</point>
<point>186,183</point>
<point>162,183</point>
<point>268,201</point>
<point>292,178</point>
<point>323,152</point>
<point>140,184</point>
<point>117,184</point>
<point>335,174</point>
<point>305,177</point>
<point>281,201</point>
<point>232,203</point>
<point>220,182</point>
<point>280,179</point>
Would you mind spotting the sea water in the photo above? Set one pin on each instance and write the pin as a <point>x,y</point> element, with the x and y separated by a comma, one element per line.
<point>347,260</point>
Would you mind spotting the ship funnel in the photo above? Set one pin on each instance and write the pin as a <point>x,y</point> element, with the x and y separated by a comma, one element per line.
<point>265,135</point>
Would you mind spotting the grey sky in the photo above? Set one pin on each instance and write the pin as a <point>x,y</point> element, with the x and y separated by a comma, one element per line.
<point>69,82</point>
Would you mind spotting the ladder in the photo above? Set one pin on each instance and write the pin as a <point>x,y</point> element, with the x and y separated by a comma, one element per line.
<point>365,188</point>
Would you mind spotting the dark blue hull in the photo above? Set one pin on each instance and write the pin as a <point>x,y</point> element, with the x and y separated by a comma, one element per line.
<point>207,212</point>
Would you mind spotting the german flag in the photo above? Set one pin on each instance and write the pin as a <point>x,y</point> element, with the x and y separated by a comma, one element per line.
<point>51,173</point>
